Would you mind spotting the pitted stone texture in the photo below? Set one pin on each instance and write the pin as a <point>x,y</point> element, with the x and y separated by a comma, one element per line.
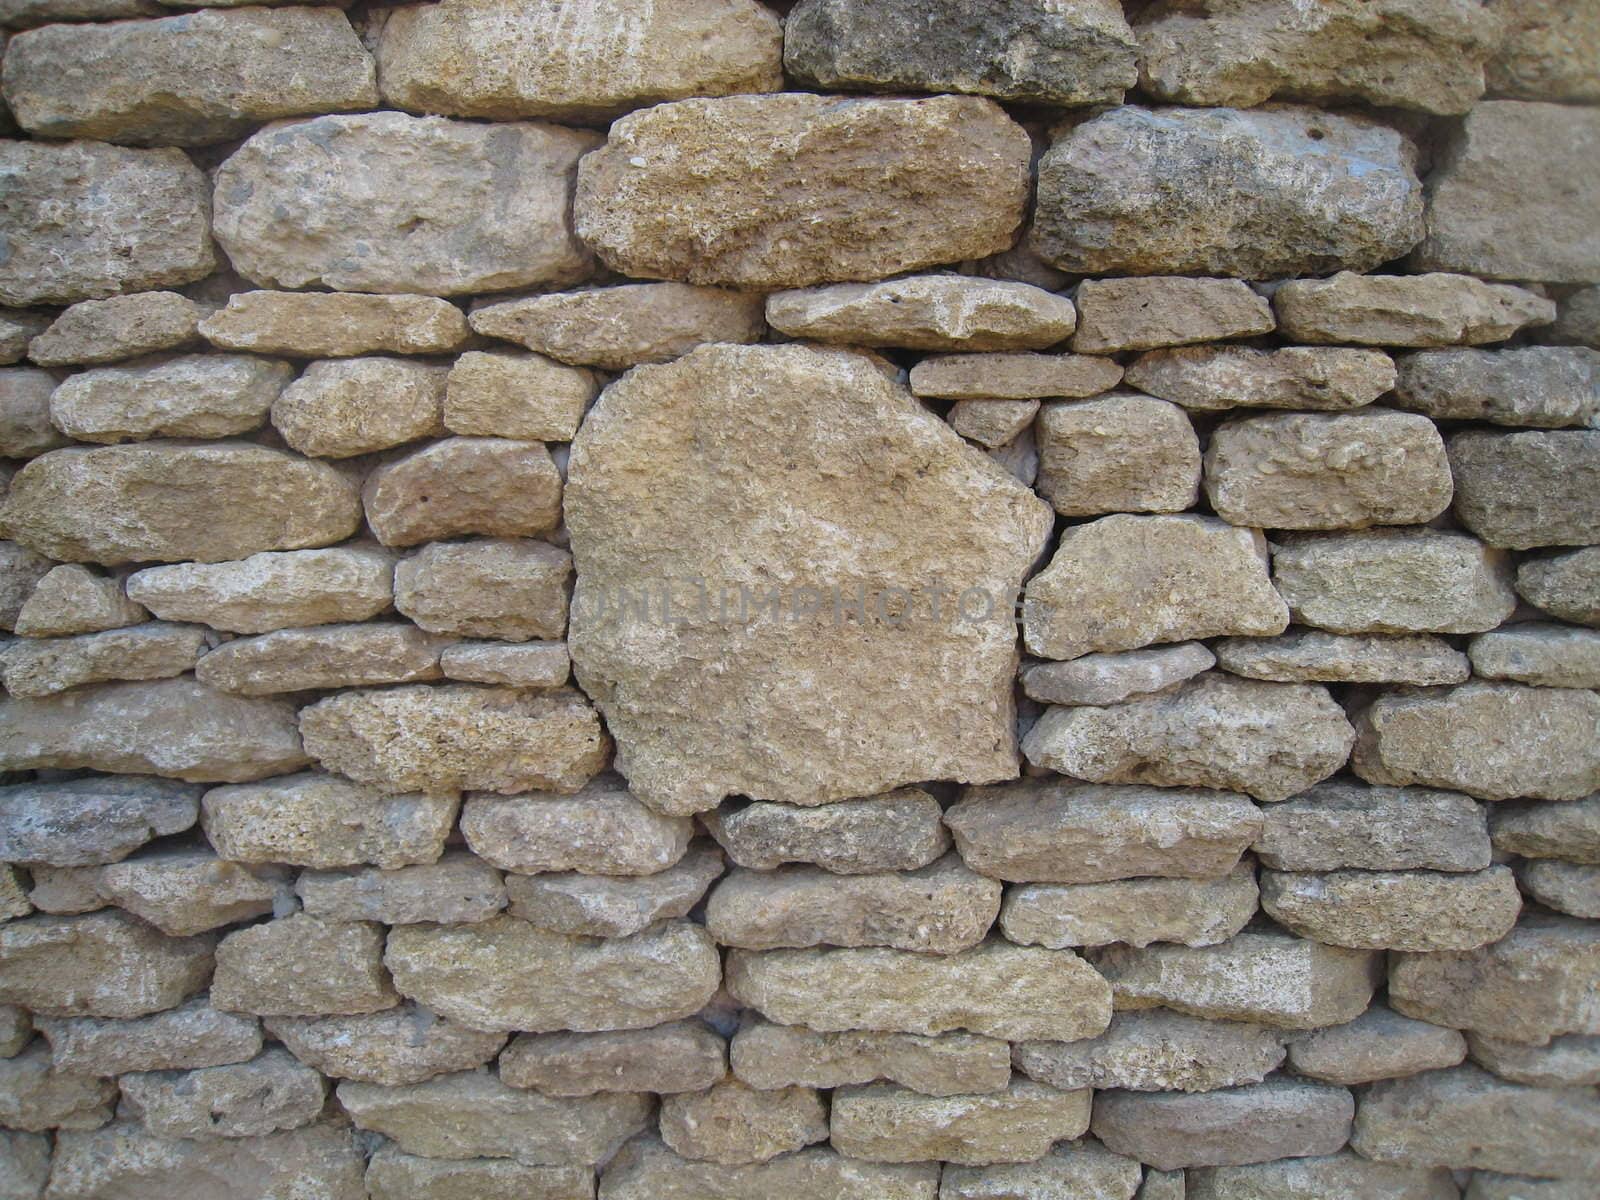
<point>397,1046</point>
<point>34,1098</point>
<point>765,1055</point>
<point>1124,581</point>
<point>325,656</point>
<point>602,906</point>
<point>502,588</point>
<point>1271,740</point>
<point>1550,51</point>
<point>1394,910</point>
<point>1505,203</point>
<point>1071,1171</point>
<point>505,59</point>
<point>1566,887</point>
<point>1465,1117</point>
<point>647,1170</point>
<point>1310,655</point>
<point>1525,490</point>
<point>93,332</point>
<point>1561,831</point>
<point>1495,741</point>
<point>104,964</point>
<point>1132,911</point>
<point>1379,1044</point>
<point>503,393</point>
<point>493,486</point>
<point>529,665</point>
<point>1255,195</point>
<point>356,406</point>
<point>1062,831</point>
<point>1539,652</point>
<point>451,737</point>
<point>1393,581</point>
<point>504,974</point>
<point>384,202</point>
<point>1148,314</point>
<point>1117,453</point>
<point>682,1056</point>
<point>474,1115</point>
<point>20,571</point>
<point>395,1175</point>
<point>89,821</point>
<point>330,325</point>
<point>1341,1174</point>
<point>732,1123</point>
<point>1157,1051</point>
<point>992,423</point>
<point>1342,824</point>
<point>1110,678</point>
<point>766,192</point>
<point>1545,386</point>
<point>25,427</point>
<point>1564,585</point>
<point>192,1035</point>
<point>1268,977</point>
<point>1565,1062</point>
<point>926,312</point>
<point>1081,52</point>
<point>189,80</point>
<point>248,1099</point>
<point>1018,376</point>
<point>316,820</point>
<point>599,830</point>
<point>184,891</point>
<point>72,599</point>
<point>84,220</point>
<point>994,989</point>
<point>631,519</point>
<point>1406,310</point>
<point>303,966</point>
<point>1395,53</point>
<point>191,396</point>
<point>1214,378</point>
<point>1536,983</point>
<point>458,889</point>
<point>884,1123</point>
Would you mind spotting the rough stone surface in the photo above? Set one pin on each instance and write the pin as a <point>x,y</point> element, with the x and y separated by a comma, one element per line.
<point>1539,652</point>
<point>1132,911</point>
<point>1071,1171</point>
<point>18,328</point>
<point>1117,453</point>
<point>1579,321</point>
<point>397,1046</point>
<point>1565,1062</point>
<point>25,428</point>
<point>1151,313</point>
<point>328,325</point>
<point>1549,52</point>
<point>1213,378</point>
<point>1111,678</point>
<point>92,332</point>
<point>1157,1051</point>
<point>24,1164</point>
<point>503,588</point>
<point>493,486</point>
<point>1310,655</point>
<point>1018,376</point>
<point>992,423</point>
<point>926,312</point>
<point>682,1056</point>
<point>1394,910</point>
<point>1561,831</point>
<point>191,396</point>
<point>326,656</point>
<point>458,889</point>
<point>1341,1174</point>
<point>1564,585</point>
<point>33,1098</point>
<point>1523,490</point>
<point>529,665</point>
<point>600,906</point>
<point>766,192</point>
<point>1536,385</point>
<point>1406,310</point>
<point>89,821</point>
<point>1340,824</point>
<point>20,571</point>
<point>104,964</point>
<point>45,666</point>
<point>885,1123</point>
<point>302,966</point>
<point>647,1170</point>
<point>395,1175</point>
<point>765,1055</point>
<point>599,830</point>
<point>732,1123</point>
<point>246,1099</point>
<point>1379,1044</point>
<point>502,393</point>
<point>1572,888</point>
<point>187,891</point>
<point>345,407</point>
<point>72,599</point>
<point>192,1035</point>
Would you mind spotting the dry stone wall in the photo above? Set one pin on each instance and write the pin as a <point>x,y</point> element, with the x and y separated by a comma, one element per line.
<point>935,600</point>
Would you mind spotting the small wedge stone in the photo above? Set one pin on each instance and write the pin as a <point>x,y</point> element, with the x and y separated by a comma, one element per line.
<point>991,422</point>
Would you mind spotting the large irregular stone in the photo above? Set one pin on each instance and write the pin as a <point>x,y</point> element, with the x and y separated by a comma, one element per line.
<point>384,202</point>
<point>1063,831</point>
<point>1465,1118</point>
<point>174,727</point>
<point>192,1035</point>
<point>1564,585</point>
<point>1212,378</point>
<point>1565,1062</point>
<point>1495,741</point>
<point>321,821</point>
<point>926,312</point>
<point>452,737</point>
<point>84,220</point>
<point>1394,910</point>
<point>1255,195</point>
<point>1537,385</point>
<point>329,325</point>
<point>92,332</point>
<point>325,656</point>
<point>1395,53</point>
<point>493,486</point>
<point>503,393</point>
<point>92,820</point>
<point>1504,203</point>
<point>1069,1172</point>
<point>394,1175</point>
<point>184,891</point>
<point>1566,887</point>
<point>1117,453</point>
<point>34,1098</point>
<point>271,590</point>
<point>707,683</point>
<point>599,830</point>
<point>995,989</point>
<point>765,1055</point>
<point>25,427</point>
<point>192,396</point>
<point>505,59</point>
<point>1017,376</point>
<point>602,906</point>
<point>1269,978</point>
<point>733,1123</point>
<point>1132,911</point>
<point>898,831</point>
<point>1379,1044</point>
<point>73,599</point>
<point>1081,52</point>
<point>1110,678</point>
<point>1124,581</point>
<point>1393,581</point>
<point>884,1123</point>
<point>505,974</point>
<point>1523,490</point>
<point>647,1170</point>
<point>1550,51</point>
<point>1271,740</point>
<point>245,1099</point>
<point>1312,656</point>
<point>44,666</point>
<point>397,1046</point>
<point>1341,824</point>
<point>458,889</point>
<point>766,192</point>
<point>187,80</point>
<point>104,964</point>
<point>1406,310</point>
<point>303,966</point>
<point>1341,1174</point>
<point>1148,314</point>
<point>345,407</point>
<point>503,588</point>
<point>682,1056</point>
<point>1157,1051</point>
<point>1539,652</point>
<point>1562,831</point>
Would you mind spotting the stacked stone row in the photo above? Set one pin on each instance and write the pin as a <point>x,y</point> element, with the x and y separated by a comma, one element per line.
<point>366,368</point>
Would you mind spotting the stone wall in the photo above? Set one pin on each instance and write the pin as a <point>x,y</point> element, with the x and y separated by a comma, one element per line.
<point>855,600</point>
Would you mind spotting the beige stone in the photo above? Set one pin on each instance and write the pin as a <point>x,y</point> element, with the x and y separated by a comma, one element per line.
<point>732,1123</point>
<point>1549,52</point>
<point>302,966</point>
<point>1341,1174</point>
<point>25,427</point>
<point>1132,911</point>
<point>1158,311</point>
<point>104,964</point>
<point>647,1170</point>
<point>599,830</point>
<point>1569,1061</point>
<point>1313,656</point>
<point>325,656</point>
<point>1568,831</point>
<point>1379,1044</point>
<point>603,906</point>
<point>530,665</point>
<point>89,821</point>
<point>1070,1171</point>
<point>345,407</point>
<point>15,900</point>
<point>898,831</point>
<point>326,325</point>
<point>1341,824</point>
<point>1394,910</point>
<point>765,1055</point>
<point>926,312</point>
<point>36,667</point>
<point>1406,310</point>
<point>1013,376</point>
<point>1157,1051</point>
<point>1524,490</point>
<point>1110,678</point>
<point>93,332</point>
<point>884,1123</point>
<point>492,486</point>
<point>395,1175</point>
<point>503,393</point>
<point>400,1045</point>
<point>1572,888</point>
<point>503,588</point>
<point>191,1035</point>
<point>991,422</point>
<point>681,1056</point>
<point>248,1099</point>
<point>72,599</point>
<point>1117,453</point>
<point>188,891</point>
<point>1539,652</point>
<point>1564,585</point>
<point>33,1098</point>
<point>458,889</point>
<point>1545,386</point>
<point>1212,378</point>
<point>65,891</point>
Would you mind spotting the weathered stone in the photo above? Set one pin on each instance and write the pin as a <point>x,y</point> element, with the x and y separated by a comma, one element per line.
<point>72,599</point>
<point>174,727</point>
<point>395,1175</point>
<point>732,1123</point>
<point>995,989</point>
<point>1465,1117</point>
<point>315,820</point>
<point>615,328</point>
<point>106,331</point>
<point>1579,320</point>
<point>1257,195</point>
<point>25,428</point>
<point>1117,453</point>
<point>1211,378</point>
<point>991,422</point>
<point>458,889</point>
<point>1564,585</point>
<point>1111,678</point>
<point>24,1164</point>
<point>1504,203</point>
<point>35,667</point>
<point>765,1055</point>
<point>93,820</point>
<point>683,1056</point>
<point>766,192</point>
<point>1267,977</point>
<point>397,1046</point>
<point>325,656</point>
<point>1071,1171</point>
<point>1536,983</point>
<point>926,312</point>
<point>14,898</point>
<point>302,966</point>
<point>647,1170</point>
<point>83,220</point>
<point>105,964</point>
<point>34,1098</point>
<point>1123,582</point>
<point>601,906</point>
<point>529,665</point>
<point>1549,52</point>
<point>505,974</point>
<point>1280,1118</point>
<point>245,1099</point>
<point>192,1035</point>
<point>1572,888</point>
<point>599,830</point>
<point>1487,1185</point>
<point>1339,824</point>
<point>1565,1062</point>
<point>20,571</point>
<point>1063,831</point>
<point>1310,655</point>
<point>187,891</point>
<point>503,588</point>
<point>18,328</point>
<point>1539,652</point>
<point>1151,313</point>
<point>1157,1051</point>
<point>1243,52</point>
<point>1522,490</point>
<point>1561,831</point>
<point>1394,910</point>
<point>1406,310</point>
<point>1133,911</point>
<point>65,891</point>
<point>324,325</point>
<point>491,486</point>
<point>884,1123</point>
<point>1544,386</point>
<point>505,59</point>
<point>503,393</point>
<point>680,697</point>
<point>1013,376</point>
<point>1495,741</point>
<point>898,831</point>
<point>1341,1174</point>
<point>345,407</point>
<point>1393,581</point>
